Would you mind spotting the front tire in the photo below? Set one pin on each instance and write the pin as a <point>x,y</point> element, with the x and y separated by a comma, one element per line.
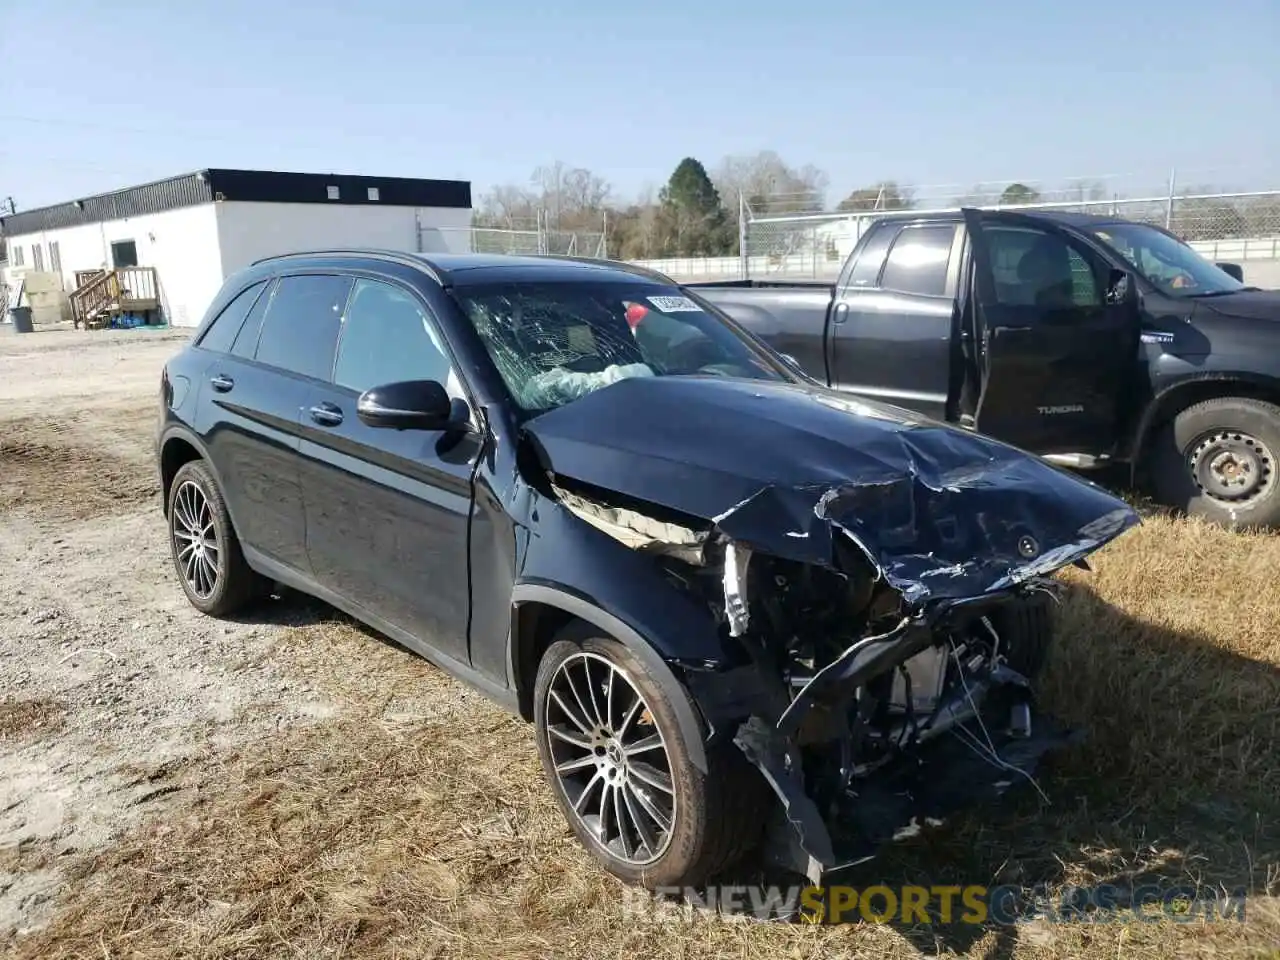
<point>206,552</point>
<point>1026,628</point>
<point>1218,460</point>
<point>617,760</point>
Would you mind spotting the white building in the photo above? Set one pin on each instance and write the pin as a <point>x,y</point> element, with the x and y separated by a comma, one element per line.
<point>166,247</point>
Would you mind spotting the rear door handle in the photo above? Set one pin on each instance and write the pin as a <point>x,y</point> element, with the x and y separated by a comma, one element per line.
<point>326,414</point>
<point>222,383</point>
<point>840,312</point>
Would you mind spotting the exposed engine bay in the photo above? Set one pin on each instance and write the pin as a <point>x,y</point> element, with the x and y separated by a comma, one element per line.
<point>880,589</point>
<point>846,677</point>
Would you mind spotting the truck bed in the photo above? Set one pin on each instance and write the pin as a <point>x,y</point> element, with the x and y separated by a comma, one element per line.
<point>790,316</point>
<point>761,284</point>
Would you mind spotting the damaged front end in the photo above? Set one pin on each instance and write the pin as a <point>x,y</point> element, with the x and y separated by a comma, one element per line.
<point>885,597</point>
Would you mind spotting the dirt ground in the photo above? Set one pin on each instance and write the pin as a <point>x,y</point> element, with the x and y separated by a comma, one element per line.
<point>291,785</point>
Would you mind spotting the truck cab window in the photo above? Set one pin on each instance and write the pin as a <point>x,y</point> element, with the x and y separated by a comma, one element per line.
<point>918,261</point>
<point>864,270</point>
<point>1041,269</point>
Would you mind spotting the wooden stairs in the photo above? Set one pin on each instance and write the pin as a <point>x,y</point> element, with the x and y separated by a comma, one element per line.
<point>102,295</point>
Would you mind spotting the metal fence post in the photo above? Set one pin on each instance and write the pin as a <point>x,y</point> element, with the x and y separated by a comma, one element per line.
<point>744,258</point>
<point>1168,214</point>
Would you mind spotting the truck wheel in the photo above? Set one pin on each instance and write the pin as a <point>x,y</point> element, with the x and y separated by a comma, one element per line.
<point>1026,632</point>
<point>617,761</point>
<point>1218,460</point>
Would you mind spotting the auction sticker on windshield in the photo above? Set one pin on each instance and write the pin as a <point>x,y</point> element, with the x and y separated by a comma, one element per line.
<point>674,304</point>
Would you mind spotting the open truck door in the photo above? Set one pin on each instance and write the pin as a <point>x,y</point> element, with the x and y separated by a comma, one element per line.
<point>1055,331</point>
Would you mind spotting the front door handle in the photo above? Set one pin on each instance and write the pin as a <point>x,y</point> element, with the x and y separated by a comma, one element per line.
<point>222,383</point>
<point>326,414</point>
<point>840,313</point>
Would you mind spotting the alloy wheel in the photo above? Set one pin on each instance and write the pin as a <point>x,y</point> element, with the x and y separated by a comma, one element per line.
<point>611,760</point>
<point>195,539</point>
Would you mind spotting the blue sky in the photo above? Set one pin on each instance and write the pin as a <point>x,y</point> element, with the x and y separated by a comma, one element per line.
<point>924,91</point>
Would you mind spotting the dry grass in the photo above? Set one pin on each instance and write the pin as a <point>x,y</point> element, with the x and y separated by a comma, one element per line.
<point>417,824</point>
<point>64,469</point>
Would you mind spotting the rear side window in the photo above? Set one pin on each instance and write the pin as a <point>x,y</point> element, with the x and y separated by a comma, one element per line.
<point>866,268</point>
<point>222,332</point>
<point>918,261</point>
<point>300,330</point>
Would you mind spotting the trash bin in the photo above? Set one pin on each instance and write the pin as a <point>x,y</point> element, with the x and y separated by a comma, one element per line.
<point>21,317</point>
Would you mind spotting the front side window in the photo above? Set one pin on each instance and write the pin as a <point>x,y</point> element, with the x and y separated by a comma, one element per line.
<point>1038,268</point>
<point>387,337</point>
<point>300,329</point>
<point>1168,263</point>
<point>918,261</point>
<point>555,342</point>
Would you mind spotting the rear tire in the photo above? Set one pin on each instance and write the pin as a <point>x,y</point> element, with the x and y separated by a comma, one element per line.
<point>204,546</point>
<point>1218,460</point>
<point>713,819</point>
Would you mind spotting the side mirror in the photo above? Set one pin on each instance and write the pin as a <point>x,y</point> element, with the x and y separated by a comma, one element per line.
<point>1119,286</point>
<point>1233,270</point>
<point>407,405</point>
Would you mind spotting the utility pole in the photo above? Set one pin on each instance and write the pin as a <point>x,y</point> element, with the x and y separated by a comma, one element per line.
<point>8,206</point>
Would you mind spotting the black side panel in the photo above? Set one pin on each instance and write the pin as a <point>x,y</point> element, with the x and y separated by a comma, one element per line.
<point>1058,355</point>
<point>387,518</point>
<point>571,555</point>
<point>249,417</point>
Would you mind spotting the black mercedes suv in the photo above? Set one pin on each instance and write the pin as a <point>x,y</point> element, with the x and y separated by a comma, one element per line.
<point>734,603</point>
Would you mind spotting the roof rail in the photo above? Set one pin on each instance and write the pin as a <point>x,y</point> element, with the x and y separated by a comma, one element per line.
<point>622,265</point>
<point>396,256</point>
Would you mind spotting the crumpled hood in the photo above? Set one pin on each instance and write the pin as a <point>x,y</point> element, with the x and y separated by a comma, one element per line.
<point>787,468</point>
<point>1247,304</point>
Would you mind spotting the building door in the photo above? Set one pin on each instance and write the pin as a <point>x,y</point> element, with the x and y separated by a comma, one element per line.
<point>124,253</point>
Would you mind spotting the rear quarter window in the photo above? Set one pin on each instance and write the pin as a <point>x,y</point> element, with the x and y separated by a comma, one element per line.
<point>864,267</point>
<point>226,325</point>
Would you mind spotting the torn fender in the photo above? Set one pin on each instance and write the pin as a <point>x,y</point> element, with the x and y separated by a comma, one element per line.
<point>786,468</point>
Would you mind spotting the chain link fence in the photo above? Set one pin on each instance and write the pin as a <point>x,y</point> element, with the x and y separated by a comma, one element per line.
<point>574,243</point>
<point>816,245</point>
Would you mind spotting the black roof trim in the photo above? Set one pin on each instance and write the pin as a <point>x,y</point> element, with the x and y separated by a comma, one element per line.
<point>254,186</point>
<point>445,267</point>
<point>1059,215</point>
<point>417,260</point>
<point>623,265</point>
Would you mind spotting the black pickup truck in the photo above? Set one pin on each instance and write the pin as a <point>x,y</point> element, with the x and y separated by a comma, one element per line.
<point>1088,340</point>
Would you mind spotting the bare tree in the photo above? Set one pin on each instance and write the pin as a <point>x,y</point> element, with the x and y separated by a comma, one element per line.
<point>885,195</point>
<point>506,206</point>
<point>770,184</point>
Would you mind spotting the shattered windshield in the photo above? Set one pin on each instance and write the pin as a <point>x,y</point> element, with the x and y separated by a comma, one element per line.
<point>555,342</point>
<point>1166,261</point>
